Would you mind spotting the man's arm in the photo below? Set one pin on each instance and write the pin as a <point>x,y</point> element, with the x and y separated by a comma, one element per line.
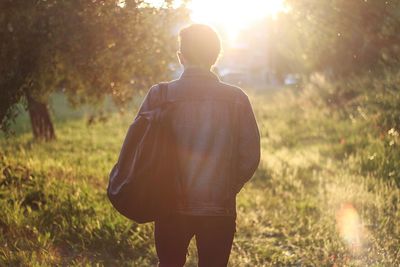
<point>248,144</point>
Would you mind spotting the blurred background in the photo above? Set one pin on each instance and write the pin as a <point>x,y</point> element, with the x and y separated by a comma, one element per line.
<point>323,78</point>
<point>93,49</point>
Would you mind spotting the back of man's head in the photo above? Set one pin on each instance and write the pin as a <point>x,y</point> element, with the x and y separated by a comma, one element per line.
<point>199,45</point>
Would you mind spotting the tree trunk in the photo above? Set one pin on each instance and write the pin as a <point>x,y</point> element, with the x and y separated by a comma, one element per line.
<point>42,126</point>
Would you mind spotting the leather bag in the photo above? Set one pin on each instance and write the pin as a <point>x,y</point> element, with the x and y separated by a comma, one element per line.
<point>141,184</point>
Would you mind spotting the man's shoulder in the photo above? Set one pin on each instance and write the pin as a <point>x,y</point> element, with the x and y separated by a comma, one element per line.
<point>236,91</point>
<point>154,91</point>
<point>225,90</point>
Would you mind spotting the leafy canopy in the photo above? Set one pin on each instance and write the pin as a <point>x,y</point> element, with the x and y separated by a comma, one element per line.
<point>89,49</point>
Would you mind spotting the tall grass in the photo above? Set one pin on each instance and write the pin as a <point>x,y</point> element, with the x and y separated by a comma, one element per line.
<point>55,210</point>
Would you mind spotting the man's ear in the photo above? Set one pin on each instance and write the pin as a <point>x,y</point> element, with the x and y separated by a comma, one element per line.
<point>180,58</point>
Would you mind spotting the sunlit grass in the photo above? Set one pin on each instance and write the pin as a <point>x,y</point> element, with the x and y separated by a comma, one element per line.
<point>55,210</point>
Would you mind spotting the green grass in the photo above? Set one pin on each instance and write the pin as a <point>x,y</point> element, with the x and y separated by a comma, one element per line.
<point>55,210</point>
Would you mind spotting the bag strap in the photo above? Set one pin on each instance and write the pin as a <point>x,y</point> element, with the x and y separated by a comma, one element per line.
<point>163,91</point>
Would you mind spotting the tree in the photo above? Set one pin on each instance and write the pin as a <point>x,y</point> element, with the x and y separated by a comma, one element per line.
<point>89,49</point>
<point>343,37</point>
<point>348,36</point>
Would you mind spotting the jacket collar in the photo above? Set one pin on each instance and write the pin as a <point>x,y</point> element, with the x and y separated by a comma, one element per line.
<point>195,72</point>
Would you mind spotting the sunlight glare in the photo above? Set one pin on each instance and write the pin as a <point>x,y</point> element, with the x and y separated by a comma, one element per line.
<point>162,3</point>
<point>231,16</point>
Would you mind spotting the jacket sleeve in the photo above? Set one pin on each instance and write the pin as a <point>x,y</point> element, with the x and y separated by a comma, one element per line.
<point>248,144</point>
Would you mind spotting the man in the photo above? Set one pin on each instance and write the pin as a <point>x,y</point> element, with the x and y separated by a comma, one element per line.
<point>218,151</point>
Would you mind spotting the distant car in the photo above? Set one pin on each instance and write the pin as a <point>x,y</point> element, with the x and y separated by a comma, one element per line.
<point>236,78</point>
<point>292,79</point>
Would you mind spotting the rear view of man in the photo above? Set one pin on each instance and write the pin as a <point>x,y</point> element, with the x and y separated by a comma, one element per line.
<point>218,151</point>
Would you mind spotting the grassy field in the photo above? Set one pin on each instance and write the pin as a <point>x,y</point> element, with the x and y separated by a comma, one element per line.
<point>307,205</point>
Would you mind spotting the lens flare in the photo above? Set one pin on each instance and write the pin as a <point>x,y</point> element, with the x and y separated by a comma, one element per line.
<point>349,226</point>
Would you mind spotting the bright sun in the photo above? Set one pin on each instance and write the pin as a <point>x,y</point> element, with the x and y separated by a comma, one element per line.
<point>233,15</point>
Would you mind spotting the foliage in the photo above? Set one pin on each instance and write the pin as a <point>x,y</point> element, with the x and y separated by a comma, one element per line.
<point>339,37</point>
<point>88,49</point>
<point>371,105</point>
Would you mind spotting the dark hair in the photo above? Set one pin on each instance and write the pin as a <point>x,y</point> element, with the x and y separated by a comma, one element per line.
<point>200,44</point>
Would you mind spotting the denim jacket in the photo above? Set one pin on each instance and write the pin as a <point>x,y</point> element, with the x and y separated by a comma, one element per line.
<point>217,141</point>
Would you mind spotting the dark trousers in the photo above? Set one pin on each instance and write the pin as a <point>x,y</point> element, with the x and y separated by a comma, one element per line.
<point>214,237</point>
